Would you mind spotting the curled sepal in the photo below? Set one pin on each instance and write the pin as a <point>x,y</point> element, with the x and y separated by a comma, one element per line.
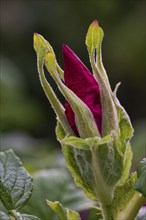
<point>76,142</point>
<point>127,160</point>
<point>127,201</point>
<point>109,113</point>
<point>83,115</point>
<point>125,126</point>
<point>63,214</point>
<point>125,134</point>
<point>42,47</point>
<point>140,184</point>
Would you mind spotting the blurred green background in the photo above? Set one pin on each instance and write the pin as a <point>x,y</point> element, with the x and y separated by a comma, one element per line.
<point>27,120</point>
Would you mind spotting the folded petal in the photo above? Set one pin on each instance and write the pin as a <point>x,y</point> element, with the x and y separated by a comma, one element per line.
<point>80,80</point>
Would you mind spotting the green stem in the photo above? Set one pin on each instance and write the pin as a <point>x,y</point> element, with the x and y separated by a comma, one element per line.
<point>106,212</point>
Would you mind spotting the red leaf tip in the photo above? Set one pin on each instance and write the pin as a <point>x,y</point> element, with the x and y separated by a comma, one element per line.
<point>95,23</point>
<point>35,33</point>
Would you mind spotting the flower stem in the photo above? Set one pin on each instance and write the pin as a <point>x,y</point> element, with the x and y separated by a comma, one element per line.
<point>106,212</point>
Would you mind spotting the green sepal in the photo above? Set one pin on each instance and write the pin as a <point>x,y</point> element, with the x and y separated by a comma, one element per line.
<point>70,154</point>
<point>93,42</point>
<point>83,115</point>
<point>115,118</point>
<point>42,47</point>
<point>140,184</point>
<point>72,215</point>
<point>125,134</point>
<point>125,126</point>
<point>79,164</point>
<point>109,113</point>
<point>58,209</point>
<point>126,202</point>
<point>76,142</point>
<point>87,143</point>
<point>95,163</point>
<point>127,161</point>
<point>63,214</point>
<point>94,36</point>
<point>60,132</point>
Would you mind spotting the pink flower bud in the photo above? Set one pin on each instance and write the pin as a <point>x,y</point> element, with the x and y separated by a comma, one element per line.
<point>80,80</point>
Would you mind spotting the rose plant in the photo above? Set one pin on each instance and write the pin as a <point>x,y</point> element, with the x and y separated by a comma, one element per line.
<point>94,131</point>
<point>93,128</point>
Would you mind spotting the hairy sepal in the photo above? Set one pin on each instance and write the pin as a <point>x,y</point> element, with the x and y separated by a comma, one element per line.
<point>115,118</point>
<point>125,134</point>
<point>95,163</point>
<point>125,126</point>
<point>109,114</point>
<point>42,47</point>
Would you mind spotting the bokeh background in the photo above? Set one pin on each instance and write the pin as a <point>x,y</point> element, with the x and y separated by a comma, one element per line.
<point>27,120</point>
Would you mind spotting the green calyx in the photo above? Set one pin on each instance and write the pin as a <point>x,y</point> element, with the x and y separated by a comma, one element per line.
<point>95,163</point>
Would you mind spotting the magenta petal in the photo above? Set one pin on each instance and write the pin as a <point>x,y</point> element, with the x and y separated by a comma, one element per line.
<point>79,79</point>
